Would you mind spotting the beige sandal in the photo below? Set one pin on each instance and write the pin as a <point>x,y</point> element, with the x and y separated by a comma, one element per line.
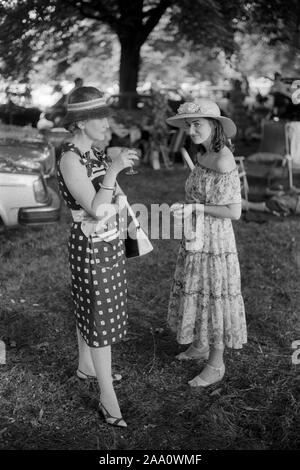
<point>193,353</point>
<point>199,382</point>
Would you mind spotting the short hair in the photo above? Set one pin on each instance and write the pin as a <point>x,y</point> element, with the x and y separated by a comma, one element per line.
<point>72,127</point>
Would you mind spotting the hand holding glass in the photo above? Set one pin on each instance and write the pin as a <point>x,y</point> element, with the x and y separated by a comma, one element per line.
<point>114,152</point>
<point>131,170</point>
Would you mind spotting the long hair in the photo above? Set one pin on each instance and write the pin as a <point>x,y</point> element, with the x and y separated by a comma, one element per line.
<point>218,138</point>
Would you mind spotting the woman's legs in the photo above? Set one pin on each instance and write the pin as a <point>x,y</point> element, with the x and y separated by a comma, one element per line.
<point>214,369</point>
<point>195,351</point>
<point>216,356</point>
<point>102,364</point>
<point>85,362</point>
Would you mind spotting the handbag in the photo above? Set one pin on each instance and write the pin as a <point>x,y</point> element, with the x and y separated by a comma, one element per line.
<point>136,242</point>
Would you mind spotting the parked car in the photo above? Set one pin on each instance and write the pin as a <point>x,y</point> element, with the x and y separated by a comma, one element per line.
<point>10,113</point>
<point>29,151</point>
<point>25,198</point>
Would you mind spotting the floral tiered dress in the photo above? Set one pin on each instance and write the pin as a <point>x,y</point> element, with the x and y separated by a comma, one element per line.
<point>206,302</point>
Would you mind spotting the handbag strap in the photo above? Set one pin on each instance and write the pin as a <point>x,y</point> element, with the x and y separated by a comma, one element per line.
<point>129,208</point>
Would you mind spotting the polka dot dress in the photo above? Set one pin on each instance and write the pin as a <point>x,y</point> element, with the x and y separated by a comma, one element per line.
<point>99,286</point>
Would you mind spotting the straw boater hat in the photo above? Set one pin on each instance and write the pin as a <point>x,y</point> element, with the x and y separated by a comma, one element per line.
<point>95,108</point>
<point>204,108</point>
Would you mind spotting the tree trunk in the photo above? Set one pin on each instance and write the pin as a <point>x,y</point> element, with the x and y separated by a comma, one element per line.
<point>129,71</point>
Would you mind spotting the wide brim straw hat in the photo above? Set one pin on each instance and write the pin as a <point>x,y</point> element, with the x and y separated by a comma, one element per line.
<point>203,108</point>
<point>82,110</point>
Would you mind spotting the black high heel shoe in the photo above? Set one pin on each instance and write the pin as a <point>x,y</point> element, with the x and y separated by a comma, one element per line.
<point>112,420</point>
<point>83,376</point>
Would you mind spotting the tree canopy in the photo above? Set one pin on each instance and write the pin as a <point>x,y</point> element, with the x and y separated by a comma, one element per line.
<point>32,31</point>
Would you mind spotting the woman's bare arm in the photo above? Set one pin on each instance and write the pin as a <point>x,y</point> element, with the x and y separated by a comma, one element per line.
<point>229,211</point>
<point>80,186</point>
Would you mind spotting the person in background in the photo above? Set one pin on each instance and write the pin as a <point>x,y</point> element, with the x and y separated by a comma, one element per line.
<point>78,82</point>
<point>282,203</point>
<point>278,85</point>
<point>237,109</point>
<point>280,96</point>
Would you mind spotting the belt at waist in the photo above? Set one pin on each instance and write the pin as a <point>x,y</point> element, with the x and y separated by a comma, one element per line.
<point>94,227</point>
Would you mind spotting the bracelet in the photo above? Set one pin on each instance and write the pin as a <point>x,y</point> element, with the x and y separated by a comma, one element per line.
<point>110,188</point>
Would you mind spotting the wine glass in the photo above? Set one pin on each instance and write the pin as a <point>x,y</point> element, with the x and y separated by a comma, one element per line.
<point>132,171</point>
<point>114,152</point>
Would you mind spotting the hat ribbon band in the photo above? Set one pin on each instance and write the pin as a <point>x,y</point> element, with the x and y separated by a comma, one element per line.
<point>86,105</point>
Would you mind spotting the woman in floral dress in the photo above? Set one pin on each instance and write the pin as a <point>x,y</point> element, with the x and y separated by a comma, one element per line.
<point>206,307</point>
<point>87,182</point>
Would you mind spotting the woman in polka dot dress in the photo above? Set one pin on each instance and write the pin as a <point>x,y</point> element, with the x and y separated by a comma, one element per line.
<point>96,251</point>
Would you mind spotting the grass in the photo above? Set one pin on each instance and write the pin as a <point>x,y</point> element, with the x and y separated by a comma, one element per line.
<point>43,404</point>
